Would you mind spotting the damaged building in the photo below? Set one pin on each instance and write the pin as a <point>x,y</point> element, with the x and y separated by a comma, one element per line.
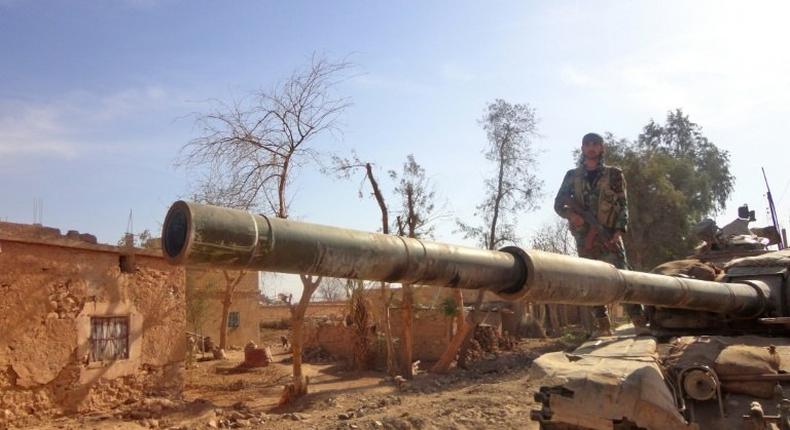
<point>84,326</point>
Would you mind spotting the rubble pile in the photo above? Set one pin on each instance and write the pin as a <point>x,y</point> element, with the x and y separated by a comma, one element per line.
<point>487,340</point>
<point>317,354</point>
<point>239,416</point>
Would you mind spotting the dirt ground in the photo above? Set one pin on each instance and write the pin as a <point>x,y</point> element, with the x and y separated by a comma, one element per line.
<point>494,393</point>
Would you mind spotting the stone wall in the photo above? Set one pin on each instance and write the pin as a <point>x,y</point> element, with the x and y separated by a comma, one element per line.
<point>50,288</point>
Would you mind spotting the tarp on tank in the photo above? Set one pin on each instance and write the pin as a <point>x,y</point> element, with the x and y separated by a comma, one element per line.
<point>606,380</point>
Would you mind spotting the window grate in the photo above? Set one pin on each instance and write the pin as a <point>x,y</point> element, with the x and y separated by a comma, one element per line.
<point>109,338</point>
<point>233,319</point>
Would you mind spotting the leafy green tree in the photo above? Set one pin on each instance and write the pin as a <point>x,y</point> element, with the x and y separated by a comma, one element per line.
<point>675,177</point>
<point>511,189</point>
<point>414,220</point>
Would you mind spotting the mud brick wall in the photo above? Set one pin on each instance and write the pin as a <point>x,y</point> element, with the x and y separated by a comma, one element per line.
<point>329,310</point>
<point>431,332</point>
<point>50,288</point>
<point>337,339</point>
<point>246,301</point>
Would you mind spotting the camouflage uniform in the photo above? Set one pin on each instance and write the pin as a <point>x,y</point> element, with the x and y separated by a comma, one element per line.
<point>602,192</point>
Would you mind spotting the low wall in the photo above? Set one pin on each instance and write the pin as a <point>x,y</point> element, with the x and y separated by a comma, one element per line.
<point>276,313</point>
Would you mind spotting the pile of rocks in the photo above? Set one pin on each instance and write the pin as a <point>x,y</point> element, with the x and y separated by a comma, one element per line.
<point>239,416</point>
<point>487,340</point>
<point>148,412</point>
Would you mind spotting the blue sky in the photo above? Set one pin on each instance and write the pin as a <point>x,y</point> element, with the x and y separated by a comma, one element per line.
<point>96,98</point>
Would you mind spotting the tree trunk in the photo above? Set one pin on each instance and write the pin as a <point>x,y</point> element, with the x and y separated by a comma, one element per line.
<point>459,303</point>
<point>587,319</point>
<point>227,299</point>
<point>564,315</point>
<point>298,386</point>
<point>406,345</point>
<point>444,362</point>
<point>448,356</point>
<point>297,346</point>
<point>554,320</point>
<point>459,345</point>
<point>385,228</point>
<point>540,314</point>
<point>223,331</point>
<point>391,367</point>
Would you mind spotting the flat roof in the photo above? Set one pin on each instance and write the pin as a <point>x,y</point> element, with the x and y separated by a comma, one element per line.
<point>49,236</point>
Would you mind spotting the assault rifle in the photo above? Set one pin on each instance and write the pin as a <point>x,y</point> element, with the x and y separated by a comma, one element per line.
<point>596,229</point>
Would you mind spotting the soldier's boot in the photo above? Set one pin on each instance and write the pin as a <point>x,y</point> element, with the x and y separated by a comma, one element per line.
<point>603,327</point>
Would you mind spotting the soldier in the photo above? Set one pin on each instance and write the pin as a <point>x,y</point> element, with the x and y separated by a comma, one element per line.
<point>600,191</point>
<point>284,341</point>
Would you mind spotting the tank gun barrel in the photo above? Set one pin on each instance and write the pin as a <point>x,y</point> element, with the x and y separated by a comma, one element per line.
<point>211,236</point>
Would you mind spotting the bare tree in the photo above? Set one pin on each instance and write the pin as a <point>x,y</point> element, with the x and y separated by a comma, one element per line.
<point>209,194</point>
<point>332,289</point>
<point>512,188</point>
<point>252,145</point>
<point>414,220</point>
<point>249,150</point>
<point>344,167</point>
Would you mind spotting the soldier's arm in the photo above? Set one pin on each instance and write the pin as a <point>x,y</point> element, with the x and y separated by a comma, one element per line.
<point>563,195</point>
<point>621,200</point>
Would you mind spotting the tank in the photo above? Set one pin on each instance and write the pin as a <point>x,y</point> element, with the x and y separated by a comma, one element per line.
<point>716,355</point>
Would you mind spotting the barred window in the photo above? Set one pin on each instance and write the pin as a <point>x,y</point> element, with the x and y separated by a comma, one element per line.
<point>233,319</point>
<point>109,338</point>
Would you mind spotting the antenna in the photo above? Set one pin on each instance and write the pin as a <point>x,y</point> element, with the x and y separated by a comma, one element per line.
<point>772,208</point>
<point>130,223</point>
<point>38,211</point>
<point>129,236</point>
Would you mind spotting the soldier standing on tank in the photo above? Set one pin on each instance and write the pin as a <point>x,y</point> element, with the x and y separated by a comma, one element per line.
<point>599,190</point>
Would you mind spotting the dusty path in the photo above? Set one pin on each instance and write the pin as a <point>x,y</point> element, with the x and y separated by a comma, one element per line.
<point>494,394</point>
